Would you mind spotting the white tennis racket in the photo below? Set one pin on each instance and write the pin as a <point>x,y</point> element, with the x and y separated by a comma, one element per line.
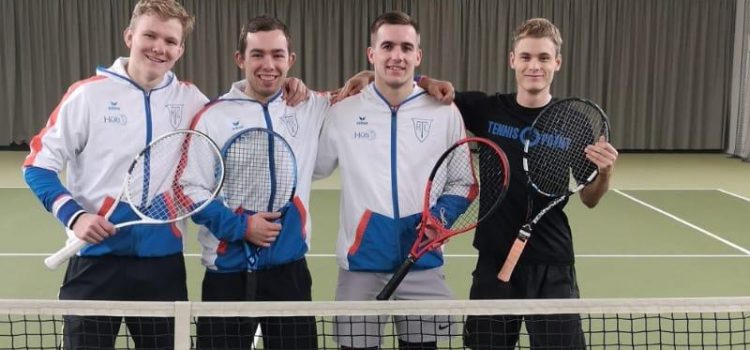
<point>174,177</point>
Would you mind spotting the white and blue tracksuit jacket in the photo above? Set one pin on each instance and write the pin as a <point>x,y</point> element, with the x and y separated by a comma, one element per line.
<point>300,127</point>
<point>94,133</point>
<point>385,155</point>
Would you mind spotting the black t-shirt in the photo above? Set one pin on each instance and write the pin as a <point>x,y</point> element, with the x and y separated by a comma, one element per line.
<point>501,119</point>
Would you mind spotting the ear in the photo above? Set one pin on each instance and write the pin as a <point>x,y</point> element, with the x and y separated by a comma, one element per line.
<point>181,50</point>
<point>419,58</point>
<point>292,59</point>
<point>558,60</point>
<point>127,36</point>
<point>512,60</point>
<point>239,59</point>
<point>370,55</point>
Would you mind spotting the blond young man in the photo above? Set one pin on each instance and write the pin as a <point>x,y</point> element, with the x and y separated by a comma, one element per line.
<point>93,133</point>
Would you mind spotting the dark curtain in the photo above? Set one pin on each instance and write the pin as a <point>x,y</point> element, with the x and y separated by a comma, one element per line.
<point>661,69</point>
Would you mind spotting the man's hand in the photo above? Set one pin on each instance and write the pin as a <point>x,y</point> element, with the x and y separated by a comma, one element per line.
<point>93,228</point>
<point>441,90</point>
<point>262,230</point>
<point>294,91</point>
<point>604,155</point>
<point>352,86</point>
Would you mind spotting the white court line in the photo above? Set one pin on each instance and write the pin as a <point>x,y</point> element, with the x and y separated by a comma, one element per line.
<point>594,256</point>
<point>684,222</point>
<point>734,195</point>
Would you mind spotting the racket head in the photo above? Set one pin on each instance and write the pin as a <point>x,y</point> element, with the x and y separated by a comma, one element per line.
<point>174,177</point>
<point>554,157</point>
<point>465,186</point>
<point>261,171</point>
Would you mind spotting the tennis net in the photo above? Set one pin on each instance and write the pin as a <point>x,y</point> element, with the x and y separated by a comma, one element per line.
<point>693,323</point>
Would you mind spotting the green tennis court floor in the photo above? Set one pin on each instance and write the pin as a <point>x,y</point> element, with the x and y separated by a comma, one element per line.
<point>675,225</point>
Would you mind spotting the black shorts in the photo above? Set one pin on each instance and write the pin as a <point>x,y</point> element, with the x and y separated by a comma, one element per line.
<point>287,282</point>
<point>122,278</point>
<point>562,331</point>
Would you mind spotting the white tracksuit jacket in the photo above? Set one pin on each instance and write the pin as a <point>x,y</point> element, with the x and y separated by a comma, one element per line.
<point>385,155</point>
<point>94,132</point>
<point>300,127</point>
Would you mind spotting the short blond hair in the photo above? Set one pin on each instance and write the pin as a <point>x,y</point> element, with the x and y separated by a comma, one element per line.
<point>538,28</point>
<point>165,9</point>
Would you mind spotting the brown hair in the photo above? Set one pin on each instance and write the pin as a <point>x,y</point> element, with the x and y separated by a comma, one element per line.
<point>262,23</point>
<point>392,17</point>
<point>165,9</point>
<point>538,28</point>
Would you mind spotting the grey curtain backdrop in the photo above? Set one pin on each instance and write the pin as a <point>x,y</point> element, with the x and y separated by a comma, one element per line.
<point>661,69</point>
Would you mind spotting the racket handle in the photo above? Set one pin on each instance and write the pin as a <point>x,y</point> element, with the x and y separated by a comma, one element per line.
<point>396,279</point>
<point>513,256</point>
<point>54,260</point>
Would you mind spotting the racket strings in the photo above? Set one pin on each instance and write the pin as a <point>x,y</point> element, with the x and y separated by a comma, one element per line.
<point>261,172</point>
<point>557,162</point>
<point>467,184</point>
<point>173,176</point>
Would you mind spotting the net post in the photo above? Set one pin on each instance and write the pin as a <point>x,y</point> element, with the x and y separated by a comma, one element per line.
<point>182,316</point>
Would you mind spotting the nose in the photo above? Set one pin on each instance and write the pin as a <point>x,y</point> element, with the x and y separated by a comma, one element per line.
<point>267,62</point>
<point>534,64</point>
<point>158,47</point>
<point>397,55</point>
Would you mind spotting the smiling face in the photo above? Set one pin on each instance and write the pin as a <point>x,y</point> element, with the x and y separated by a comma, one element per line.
<point>155,46</point>
<point>394,55</point>
<point>265,61</point>
<point>535,61</point>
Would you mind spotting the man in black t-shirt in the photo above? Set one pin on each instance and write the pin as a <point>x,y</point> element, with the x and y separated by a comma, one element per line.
<point>546,267</point>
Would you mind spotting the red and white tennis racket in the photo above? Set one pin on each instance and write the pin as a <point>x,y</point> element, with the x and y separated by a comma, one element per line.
<point>466,184</point>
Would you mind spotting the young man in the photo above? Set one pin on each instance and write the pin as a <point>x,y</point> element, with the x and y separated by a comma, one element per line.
<point>95,131</point>
<point>546,268</point>
<point>265,55</point>
<point>385,142</point>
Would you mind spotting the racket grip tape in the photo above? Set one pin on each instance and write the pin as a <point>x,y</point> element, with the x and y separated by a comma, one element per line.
<point>55,260</point>
<point>396,279</point>
<point>512,259</point>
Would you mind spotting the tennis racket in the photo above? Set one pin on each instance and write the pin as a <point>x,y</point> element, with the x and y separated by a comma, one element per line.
<point>456,200</point>
<point>555,162</point>
<point>261,175</point>
<point>174,177</point>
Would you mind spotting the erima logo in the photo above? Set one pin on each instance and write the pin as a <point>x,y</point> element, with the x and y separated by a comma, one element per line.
<point>535,138</point>
<point>364,135</point>
<point>113,106</point>
<point>236,125</point>
<point>118,119</point>
<point>362,120</point>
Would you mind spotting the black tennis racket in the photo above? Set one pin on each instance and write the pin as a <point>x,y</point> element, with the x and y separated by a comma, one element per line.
<point>174,177</point>
<point>466,184</point>
<point>261,175</point>
<point>555,161</point>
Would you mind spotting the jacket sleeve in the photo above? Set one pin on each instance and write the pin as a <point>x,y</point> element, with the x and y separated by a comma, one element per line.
<point>327,159</point>
<point>62,138</point>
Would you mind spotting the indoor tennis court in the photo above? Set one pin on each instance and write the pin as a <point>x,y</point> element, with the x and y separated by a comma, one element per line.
<point>675,226</point>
